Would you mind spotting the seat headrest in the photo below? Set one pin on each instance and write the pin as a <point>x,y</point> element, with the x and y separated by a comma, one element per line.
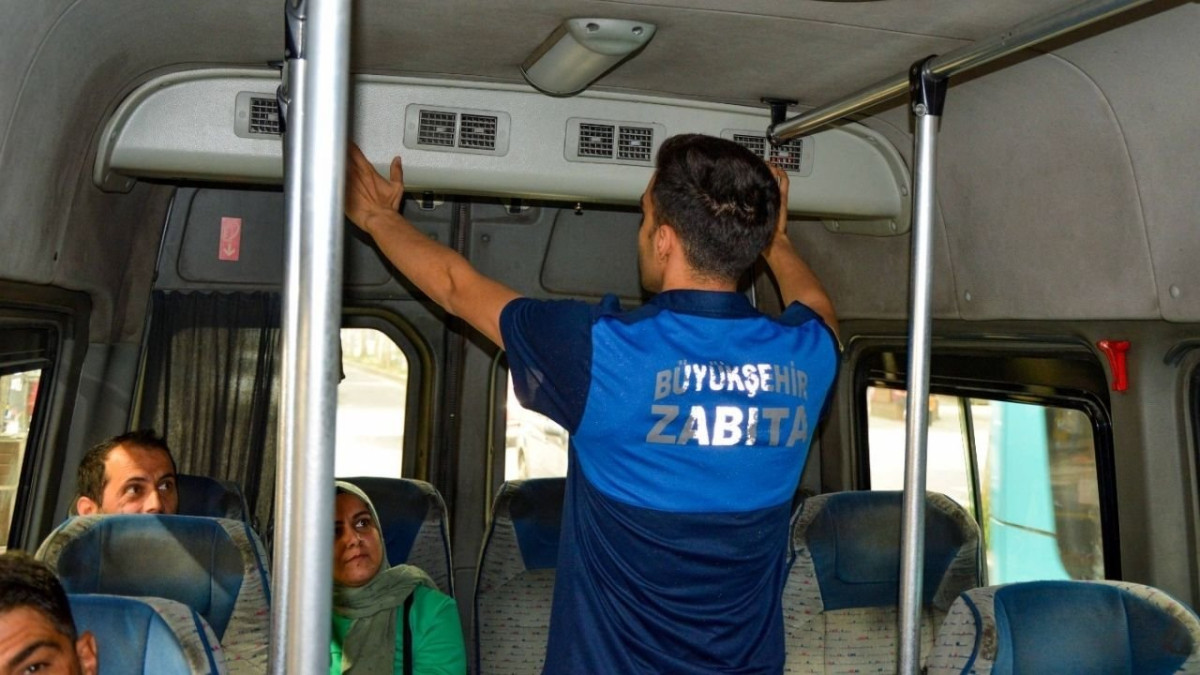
<point>403,505</point>
<point>535,507</point>
<point>187,559</point>
<point>211,498</point>
<point>1050,626</point>
<point>135,636</point>
<point>854,539</point>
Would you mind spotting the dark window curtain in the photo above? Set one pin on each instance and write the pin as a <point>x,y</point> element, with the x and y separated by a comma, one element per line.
<point>211,387</point>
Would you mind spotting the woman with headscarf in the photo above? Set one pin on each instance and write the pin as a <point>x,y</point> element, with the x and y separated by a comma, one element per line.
<point>386,620</point>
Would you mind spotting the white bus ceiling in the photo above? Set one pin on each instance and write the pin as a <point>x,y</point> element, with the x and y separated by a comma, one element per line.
<point>1092,141</point>
<point>1066,190</point>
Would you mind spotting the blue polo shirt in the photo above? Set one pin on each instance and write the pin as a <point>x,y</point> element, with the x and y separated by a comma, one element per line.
<point>690,421</point>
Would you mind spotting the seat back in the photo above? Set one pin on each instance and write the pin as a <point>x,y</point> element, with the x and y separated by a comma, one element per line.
<point>148,635</point>
<point>840,598</point>
<point>515,583</point>
<point>415,525</point>
<point>211,498</point>
<point>212,565</point>
<point>1067,627</point>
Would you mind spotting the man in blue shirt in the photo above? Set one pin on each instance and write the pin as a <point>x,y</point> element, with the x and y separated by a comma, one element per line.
<point>690,417</point>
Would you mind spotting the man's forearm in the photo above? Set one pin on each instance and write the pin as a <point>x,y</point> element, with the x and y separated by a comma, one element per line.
<point>440,272</point>
<point>797,282</point>
<point>424,261</point>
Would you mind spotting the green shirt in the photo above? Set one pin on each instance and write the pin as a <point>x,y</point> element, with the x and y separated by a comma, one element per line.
<point>436,636</point>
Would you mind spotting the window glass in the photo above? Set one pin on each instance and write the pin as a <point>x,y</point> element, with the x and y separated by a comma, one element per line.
<point>1039,500</point>
<point>946,472</point>
<point>18,393</point>
<point>371,404</point>
<point>534,446</point>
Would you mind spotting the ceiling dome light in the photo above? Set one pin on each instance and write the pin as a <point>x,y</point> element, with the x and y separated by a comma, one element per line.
<point>581,50</point>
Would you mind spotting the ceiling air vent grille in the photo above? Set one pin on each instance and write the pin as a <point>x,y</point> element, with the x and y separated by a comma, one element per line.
<point>756,144</point>
<point>474,132</point>
<point>437,128</point>
<point>477,132</point>
<point>635,143</point>
<point>256,116</point>
<point>612,142</point>
<point>264,116</point>
<point>794,156</point>
<point>789,155</point>
<point>596,140</point>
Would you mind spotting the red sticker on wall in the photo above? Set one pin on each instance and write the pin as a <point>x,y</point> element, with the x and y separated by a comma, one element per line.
<point>231,239</point>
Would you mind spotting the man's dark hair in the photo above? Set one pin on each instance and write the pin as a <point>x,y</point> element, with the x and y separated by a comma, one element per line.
<point>720,197</point>
<point>25,582</point>
<point>91,479</point>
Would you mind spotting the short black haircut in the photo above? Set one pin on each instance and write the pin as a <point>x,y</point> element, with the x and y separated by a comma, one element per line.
<point>90,479</point>
<point>720,198</point>
<point>25,582</point>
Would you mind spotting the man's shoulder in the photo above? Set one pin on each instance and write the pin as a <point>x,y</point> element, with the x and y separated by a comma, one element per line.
<point>526,309</point>
<point>798,314</point>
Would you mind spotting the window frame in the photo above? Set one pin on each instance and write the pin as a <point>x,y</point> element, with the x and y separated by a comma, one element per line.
<point>998,369</point>
<point>60,318</point>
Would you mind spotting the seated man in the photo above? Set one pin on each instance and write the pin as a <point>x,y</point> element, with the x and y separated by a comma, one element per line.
<point>37,633</point>
<point>130,473</point>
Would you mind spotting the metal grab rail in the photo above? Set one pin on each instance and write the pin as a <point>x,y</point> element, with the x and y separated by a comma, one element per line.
<point>928,97</point>
<point>926,82</point>
<point>1021,36</point>
<point>316,93</point>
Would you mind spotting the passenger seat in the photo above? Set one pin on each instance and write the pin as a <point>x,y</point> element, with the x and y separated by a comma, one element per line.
<point>515,584</point>
<point>211,498</point>
<point>840,599</point>
<point>415,525</point>
<point>1067,627</point>
<point>212,565</point>
<point>148,635</point>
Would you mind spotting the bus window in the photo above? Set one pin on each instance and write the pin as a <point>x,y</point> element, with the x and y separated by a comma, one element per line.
<point>534,445</point>
<point>18,393</point>
<point>947,471</point>
<point>1038,498</point>
<point>371,405</point>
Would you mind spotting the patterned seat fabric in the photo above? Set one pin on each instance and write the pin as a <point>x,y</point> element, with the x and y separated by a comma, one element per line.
<point>211,498</point>
<point>213,566</point>
<point>1067,627</point>
<point>415,525</point>
<point>148,635</point>
<point>515,585</point>
<point>840,599</point>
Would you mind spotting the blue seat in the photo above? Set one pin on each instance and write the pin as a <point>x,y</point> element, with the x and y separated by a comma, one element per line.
<point>211,498</point>
<point>415,525</point>
<point>147,635</point>
<point>840,598</point>
<point>515,582</point>
<point>1067,627</point>
<point>212,565</point>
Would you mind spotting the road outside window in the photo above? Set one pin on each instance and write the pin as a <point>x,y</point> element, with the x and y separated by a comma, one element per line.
<point>946,473</point>
<point>371,404</point>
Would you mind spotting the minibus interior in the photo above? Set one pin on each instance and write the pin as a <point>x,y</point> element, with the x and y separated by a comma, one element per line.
<point>144,277</point>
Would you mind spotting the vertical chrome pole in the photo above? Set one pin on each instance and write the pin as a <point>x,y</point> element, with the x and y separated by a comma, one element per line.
<point>928,96</point>
<point>291,121</point>
<point>316,91</point>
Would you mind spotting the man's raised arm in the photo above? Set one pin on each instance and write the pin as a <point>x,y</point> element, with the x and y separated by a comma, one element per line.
<point>796,280</point>
<point>373,203</point>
